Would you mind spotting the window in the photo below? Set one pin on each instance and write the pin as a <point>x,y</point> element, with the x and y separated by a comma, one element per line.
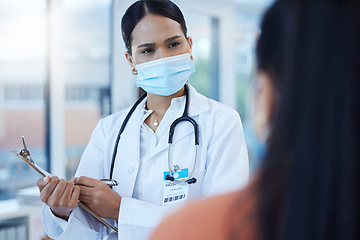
<point>22,82</point>
<point>26,74</point>
<point>245,54</point>
<point>86,60</point>
<point>246,35</point>
<point>203,30</point>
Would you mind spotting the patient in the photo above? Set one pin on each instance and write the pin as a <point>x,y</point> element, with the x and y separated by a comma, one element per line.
<point>307,112</point>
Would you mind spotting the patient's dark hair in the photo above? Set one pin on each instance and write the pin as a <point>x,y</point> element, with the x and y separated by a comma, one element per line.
<point>140,9</point>
<point>308,184</point>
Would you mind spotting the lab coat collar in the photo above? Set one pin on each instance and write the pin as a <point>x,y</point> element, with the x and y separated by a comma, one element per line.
<point>198,103</point>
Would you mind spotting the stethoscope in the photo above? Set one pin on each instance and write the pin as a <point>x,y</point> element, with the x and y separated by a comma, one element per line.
<point>185,117</point>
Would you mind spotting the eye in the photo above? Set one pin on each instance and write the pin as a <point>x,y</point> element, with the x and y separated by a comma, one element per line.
<point>173,44</point>
<point>147,50</point>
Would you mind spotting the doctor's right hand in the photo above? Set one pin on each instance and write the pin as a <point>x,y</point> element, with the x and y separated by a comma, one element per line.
<point>60,195</point>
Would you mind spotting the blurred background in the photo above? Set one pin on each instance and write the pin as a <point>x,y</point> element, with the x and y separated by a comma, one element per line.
<point>62,68</point>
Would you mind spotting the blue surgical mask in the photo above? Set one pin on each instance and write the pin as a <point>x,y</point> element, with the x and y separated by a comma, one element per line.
<point>165,76</point>
<point>257,147</point>
<point>256,138</point>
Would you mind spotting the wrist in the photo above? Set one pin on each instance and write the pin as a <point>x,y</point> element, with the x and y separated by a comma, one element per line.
<point>117,210</point>
<point>60,213</point>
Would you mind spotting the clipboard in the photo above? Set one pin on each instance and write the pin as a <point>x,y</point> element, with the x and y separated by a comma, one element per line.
<point>24,155</point>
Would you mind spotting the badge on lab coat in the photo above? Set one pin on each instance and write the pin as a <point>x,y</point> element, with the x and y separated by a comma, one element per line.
<point>173,191</point>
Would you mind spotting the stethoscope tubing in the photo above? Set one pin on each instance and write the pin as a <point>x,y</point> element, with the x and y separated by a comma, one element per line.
<point>190,177</point>
<point>122,128</point>
<point>185,117</point>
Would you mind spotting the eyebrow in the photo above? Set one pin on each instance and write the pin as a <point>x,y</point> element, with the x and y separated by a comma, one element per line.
<point>172,38</point>
<point>146,45</point>
<point>166,41</point>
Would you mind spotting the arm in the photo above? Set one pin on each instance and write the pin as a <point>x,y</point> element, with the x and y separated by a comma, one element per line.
<point>78,222</point>
<point>60,210</point>
<point>106,203</point>
<point>99,197</point>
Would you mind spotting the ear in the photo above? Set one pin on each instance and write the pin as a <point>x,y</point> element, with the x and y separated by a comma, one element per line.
<point>130,60</point>
<point>190,41</point>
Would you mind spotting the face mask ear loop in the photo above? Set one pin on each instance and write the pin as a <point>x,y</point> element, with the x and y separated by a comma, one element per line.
<point>190,51</point>
<point>134,70</point>
<point>191,56</point>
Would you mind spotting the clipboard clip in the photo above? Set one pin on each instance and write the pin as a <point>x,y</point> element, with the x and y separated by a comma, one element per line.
<point>25,153</point>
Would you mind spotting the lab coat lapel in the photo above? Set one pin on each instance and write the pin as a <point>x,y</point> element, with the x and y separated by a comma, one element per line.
<point>128,155</point>
<point>198,104</point>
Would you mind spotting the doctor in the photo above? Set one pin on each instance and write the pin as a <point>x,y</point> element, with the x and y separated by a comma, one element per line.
<point>159,53</point>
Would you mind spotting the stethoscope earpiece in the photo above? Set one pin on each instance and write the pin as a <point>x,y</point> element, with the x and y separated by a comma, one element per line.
<point>191,180</point>
<point>171,178</point>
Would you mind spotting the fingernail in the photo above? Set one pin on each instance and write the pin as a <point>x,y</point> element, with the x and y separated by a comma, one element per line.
<point>45,179</point>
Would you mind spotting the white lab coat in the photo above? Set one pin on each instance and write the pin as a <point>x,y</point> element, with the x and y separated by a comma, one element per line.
<point>222,167</point>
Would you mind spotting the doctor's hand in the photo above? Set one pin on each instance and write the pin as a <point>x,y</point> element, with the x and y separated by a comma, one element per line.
<point>60,195</point>
<point>99,197</point>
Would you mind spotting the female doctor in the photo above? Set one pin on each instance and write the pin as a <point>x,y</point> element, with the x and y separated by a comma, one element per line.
<point>150,177</point>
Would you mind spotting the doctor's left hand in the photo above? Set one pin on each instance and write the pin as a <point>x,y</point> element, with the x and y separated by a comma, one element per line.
<point>97,195</point>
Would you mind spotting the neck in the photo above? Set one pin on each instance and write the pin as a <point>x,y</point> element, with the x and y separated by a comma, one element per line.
<point>160,104</point>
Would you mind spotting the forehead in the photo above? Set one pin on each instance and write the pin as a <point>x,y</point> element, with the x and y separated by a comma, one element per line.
<point>155,28</point>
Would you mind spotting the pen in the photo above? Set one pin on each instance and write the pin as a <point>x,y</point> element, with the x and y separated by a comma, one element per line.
<point>109,182</point>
